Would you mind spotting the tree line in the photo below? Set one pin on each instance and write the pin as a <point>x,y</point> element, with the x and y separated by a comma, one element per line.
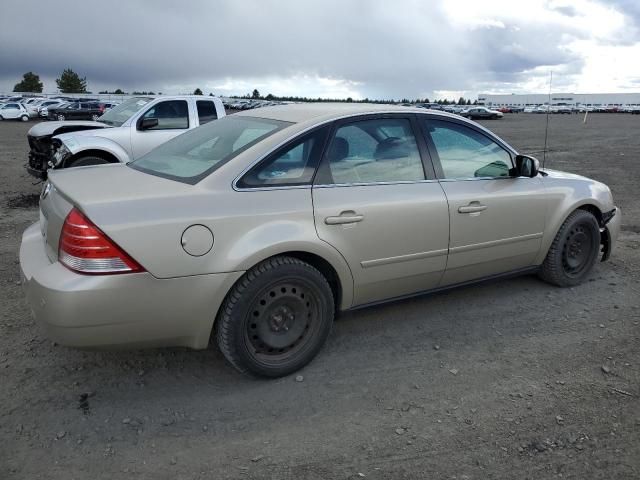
<point>70,82</point>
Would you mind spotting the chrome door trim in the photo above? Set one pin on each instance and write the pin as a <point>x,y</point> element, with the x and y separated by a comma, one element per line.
<point>494,243</point>
<point>403,258</point>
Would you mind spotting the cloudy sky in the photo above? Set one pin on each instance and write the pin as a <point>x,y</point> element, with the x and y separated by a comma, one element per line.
<point>327,48</point>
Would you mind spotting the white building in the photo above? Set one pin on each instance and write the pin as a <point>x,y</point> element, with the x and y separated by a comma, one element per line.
<point>588,99</point>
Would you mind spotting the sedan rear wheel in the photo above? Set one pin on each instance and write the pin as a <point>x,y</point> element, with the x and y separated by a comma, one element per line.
<point>276,318</point>
<point>61,118</point>
<point>95,117</point>
<point>573,252</point>
<point>24,118</point>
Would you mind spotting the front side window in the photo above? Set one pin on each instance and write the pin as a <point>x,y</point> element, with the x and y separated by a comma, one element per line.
<point>195,154</point>
<point>373,151</point>
<point>294,164</point>
<point>206,111</point>
<point>466,153</point>
<point>171,114</point>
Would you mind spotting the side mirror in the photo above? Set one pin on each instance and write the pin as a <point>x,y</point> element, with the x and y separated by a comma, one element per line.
<point>525,167</point>
<point>147,123</point>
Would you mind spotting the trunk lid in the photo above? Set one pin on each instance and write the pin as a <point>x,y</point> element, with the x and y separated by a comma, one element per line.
<point>110,195</point>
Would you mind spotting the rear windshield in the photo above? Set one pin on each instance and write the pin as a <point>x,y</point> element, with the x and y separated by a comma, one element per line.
<point>123,112</point>
<point>195,154</point>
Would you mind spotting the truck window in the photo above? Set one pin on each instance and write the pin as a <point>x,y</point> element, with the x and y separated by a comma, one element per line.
<point>171,114</point>
<point>206,111</point>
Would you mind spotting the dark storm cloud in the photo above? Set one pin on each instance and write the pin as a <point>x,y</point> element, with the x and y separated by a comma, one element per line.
<point>390,49</point>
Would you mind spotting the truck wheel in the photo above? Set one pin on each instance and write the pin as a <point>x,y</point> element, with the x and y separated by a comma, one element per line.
<point>61,118</point>
<point>86,161</point>
<point>276,318</point>
<point>573,252</point>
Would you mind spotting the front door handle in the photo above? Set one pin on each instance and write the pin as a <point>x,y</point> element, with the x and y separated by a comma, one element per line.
<point>473,207</point>
<point>348,216</point>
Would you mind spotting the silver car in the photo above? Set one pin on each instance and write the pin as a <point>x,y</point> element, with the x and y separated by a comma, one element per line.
<point>256,229</point>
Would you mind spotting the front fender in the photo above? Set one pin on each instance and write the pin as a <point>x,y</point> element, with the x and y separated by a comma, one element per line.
<point>79,144</point>
<point>565,195</point>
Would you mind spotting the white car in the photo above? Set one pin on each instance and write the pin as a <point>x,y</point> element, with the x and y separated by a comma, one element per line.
<point>14,111</point>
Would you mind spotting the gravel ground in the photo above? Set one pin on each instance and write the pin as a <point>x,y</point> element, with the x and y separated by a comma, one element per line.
<point>508,379</point>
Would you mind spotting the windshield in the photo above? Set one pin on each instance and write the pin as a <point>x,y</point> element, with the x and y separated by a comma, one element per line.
<point>195,154</point>
<point>123,112</point>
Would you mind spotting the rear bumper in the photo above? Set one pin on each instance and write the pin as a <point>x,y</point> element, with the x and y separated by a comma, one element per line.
<point>91,311</point>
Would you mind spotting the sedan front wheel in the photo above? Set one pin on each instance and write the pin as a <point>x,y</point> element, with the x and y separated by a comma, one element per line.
<point>276,318</point>
<point>574,251</point>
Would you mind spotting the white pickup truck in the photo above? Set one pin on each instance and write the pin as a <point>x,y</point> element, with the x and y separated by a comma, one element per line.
<point>124,133</point>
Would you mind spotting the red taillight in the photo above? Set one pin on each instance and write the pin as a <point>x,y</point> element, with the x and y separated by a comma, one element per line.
<point>84,248</point>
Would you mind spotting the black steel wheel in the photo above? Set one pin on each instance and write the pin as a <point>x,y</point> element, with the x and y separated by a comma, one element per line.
<point>574,250</point>
<point>276,318</point>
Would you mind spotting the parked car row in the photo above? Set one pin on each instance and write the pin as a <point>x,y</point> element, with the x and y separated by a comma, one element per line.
<point>244,104</point>
<point>569,109</point>
<point>54,108</point>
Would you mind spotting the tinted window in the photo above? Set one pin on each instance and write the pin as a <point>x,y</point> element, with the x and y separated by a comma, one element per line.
<point>294,164</point>
<point>381,150</point>
<point>171,114</point>
<point>466,153</point>
<point>193,155</point>
<point>206,111</point>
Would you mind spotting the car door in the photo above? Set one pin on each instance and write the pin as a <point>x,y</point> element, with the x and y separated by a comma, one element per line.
<point>373,202</point>
<point>496,221</point>
<point>173,119</point>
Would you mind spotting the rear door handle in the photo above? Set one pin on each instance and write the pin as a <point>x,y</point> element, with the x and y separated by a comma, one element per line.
<point>473,207</point>
<point>348,216</point>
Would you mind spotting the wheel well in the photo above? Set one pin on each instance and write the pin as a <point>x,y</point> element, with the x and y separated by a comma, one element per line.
<point>93,153</point>
<point>325,268</point>
<point>593,210</point>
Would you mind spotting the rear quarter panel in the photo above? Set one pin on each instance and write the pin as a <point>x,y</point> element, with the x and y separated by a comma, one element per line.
<point>248,227</point>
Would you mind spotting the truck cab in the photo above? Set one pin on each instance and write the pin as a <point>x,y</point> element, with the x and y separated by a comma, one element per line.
<point>122,134</point>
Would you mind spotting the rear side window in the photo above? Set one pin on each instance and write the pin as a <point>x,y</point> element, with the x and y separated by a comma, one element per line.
<point>373,151</point>
<point>171,114</point>
<point>206,111</point>
<point>294,164</point>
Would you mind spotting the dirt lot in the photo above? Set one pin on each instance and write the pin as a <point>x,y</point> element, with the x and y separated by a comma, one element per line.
<point>512,379</point>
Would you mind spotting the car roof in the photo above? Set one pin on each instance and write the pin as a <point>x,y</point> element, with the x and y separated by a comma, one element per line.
<point>306,112</point>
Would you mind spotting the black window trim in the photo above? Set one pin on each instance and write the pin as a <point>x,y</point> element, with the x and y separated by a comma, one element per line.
<point>439,172</point>
<point>323,171</point>
<point>139,121</point>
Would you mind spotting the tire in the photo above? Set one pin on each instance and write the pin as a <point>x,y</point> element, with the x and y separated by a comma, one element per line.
<point>95,117</point>
<point>276,318</point>
<point>24,118</point>
<point>61,118</point>
<point>494,117</point>
<point>574,251</point>
<point>86,161</point>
